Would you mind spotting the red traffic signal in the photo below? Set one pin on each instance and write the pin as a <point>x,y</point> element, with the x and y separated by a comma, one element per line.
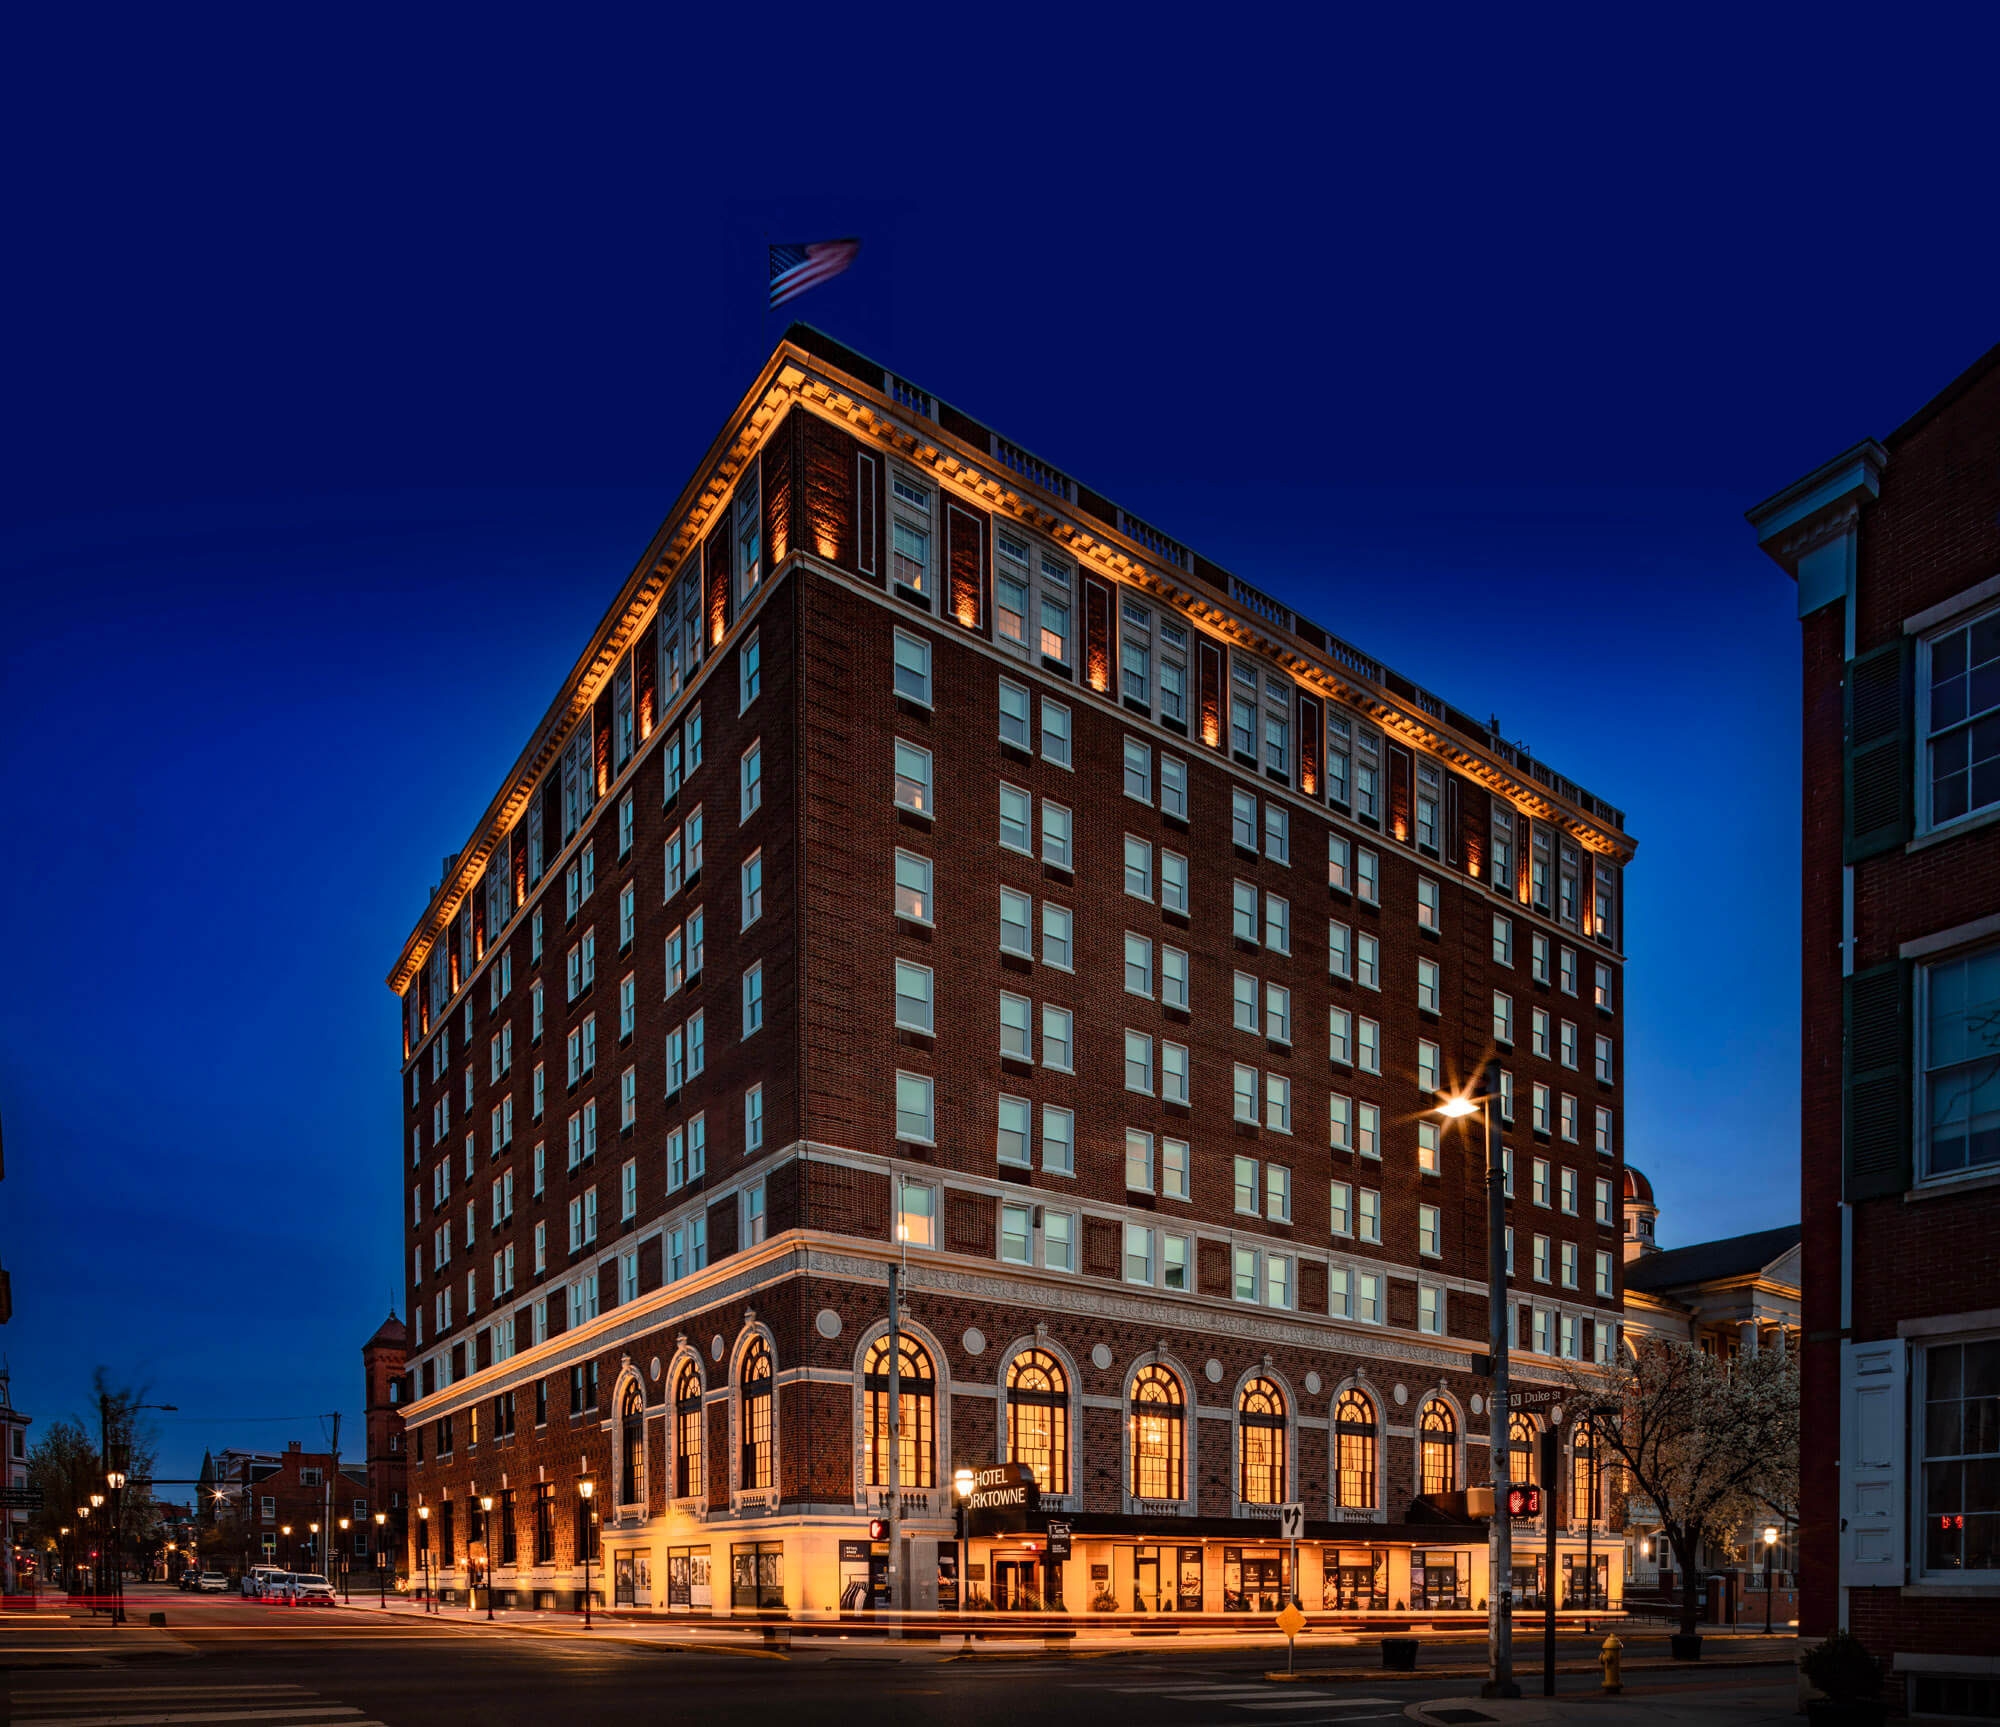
<point>878,1529</point>
<point>1524,1502</point>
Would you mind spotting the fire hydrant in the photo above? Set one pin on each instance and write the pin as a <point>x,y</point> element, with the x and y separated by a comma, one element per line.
<point>1608,1658</point>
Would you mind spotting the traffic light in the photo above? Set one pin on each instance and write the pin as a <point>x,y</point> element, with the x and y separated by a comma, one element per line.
<point>878,1529</point>
<point>1524,1502</point>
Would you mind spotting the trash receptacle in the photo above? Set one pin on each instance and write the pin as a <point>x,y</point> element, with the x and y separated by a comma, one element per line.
<point>1399,1654</point>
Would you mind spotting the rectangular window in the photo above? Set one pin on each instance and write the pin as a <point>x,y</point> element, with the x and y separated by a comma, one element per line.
<point>1138,1161</point>
<point>1604,1059</point>
<point>1428,902</point>
<point>1277,1013</point>
<point>1541,1182</point>
<point>1139,1062</point>
<point>1174,1168</point>
<point>1277,1103</point>
<point>1012,1145</point>
<point>1246,1094</point>
<point>1138,771</point>
<point>1243,819</point>
<point>913,668</point>
<point>1057,1027</point>
<point>1015,1015</point>
<point>1342,1208</point>
<point>1339,873</point>
<point>753,999</point>
<point>1058,1140</point>
<point>1538,1032</point>
<point>1340,1122</point>
<point>1429,1148</point>
<point>913,1108</point>
<point>628,1005</point>
<point>1429,1066</point>
<point>753,1120</point>
<point>1138,965</point>
<point>913,778</point>
<point>1568,1191</point>
<point>1014,722</point>
<point>1017,1235</point>
<point>1138,1254</point>
<point>750,781</point>
<point>1339,949</point>
<point>1538,961</point>
<point>1430,1309</point>
<point>1369,1215</point>
<point>1173,786</point>
<point>1568,967</point>
<point>1603,1275</point>
<point>1016,819</point>
<point>1367,871</point>
<point>628,1098</point>
<point>1503,940</point>
<point>1277,833</point>
<point>1055,733</point>
<point>1277,923</point>
<point>1367,1045</point>
<point>1277,1193</point>
<point>1568,1263</point>
<point>1430,1231</point>
<point>1503,1018</point>
<point>1017,912</point>
<point>1603,990</point>
<point>1138,868</point>
<point>1058,1241</point>
<point>913,997</point>
<point>1055,834</point>
<point>1368,1129</point>
<point>1243,901</point>
<point>753,888</point>
<point>1569,1118</point>
<point>1056,932</point>
<point>1173,882</point>
<point>1541,1259</point>
<point>1174,977</point>
<point>1427,985</point>
<point>1277,1280</point>
<point>913,887</point>
<point>916,1213</point>
<point>1245,994</point>
<point>1567,1046</point>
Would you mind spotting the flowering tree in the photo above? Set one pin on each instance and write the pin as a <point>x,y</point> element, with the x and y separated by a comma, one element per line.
<point>1712,1443</point>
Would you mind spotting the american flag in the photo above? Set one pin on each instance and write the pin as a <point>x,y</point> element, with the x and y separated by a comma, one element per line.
<point>794,269</point>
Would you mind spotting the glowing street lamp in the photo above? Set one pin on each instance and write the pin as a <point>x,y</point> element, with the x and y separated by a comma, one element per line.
<point>1770,1548</point>
<point>1476,1100</point>
<point>486,1528</point>
<point>424,1519</point>
<point>585,1488</point>
<point>381,1561</point>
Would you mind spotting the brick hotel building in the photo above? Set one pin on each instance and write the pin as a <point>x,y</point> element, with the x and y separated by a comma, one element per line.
<point>928,864</point>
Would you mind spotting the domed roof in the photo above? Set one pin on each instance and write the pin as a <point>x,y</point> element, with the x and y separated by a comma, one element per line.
<point>1638,1190</point>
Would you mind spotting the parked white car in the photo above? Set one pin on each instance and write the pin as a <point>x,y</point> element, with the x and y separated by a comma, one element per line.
<point>212,1583</point>
<point>257,1580</point>
<point>306,1589</point>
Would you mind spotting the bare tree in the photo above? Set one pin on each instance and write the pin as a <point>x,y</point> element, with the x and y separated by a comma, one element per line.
<point>1711,1443</point>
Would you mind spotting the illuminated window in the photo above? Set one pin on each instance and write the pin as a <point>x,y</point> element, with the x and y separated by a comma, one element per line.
<point>689,1424</point>
<point>1159,1425</point>
<point>913,887</point>
<point>1038,1418</point>
<point>913,778</point>
<point>756,1417</point>
<point>1354,1451</point>
<point>1437,1431</point>
<point>1261,1439</point>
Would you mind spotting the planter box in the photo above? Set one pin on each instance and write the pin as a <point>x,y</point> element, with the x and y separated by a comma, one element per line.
<point>1399,1654</point>
<point>1686,1648</point>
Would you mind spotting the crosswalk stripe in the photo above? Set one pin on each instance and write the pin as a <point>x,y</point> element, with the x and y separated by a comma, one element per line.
<point>335,1714</point>
<point>113,1693</point>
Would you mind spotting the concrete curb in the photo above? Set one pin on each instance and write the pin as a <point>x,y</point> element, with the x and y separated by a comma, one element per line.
<point>1522,1675</point>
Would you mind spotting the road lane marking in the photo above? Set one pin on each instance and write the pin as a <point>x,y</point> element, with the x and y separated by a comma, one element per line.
<point>153,1717</point>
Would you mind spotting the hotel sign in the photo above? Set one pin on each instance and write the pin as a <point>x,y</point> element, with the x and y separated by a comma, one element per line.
<point>1001,1499</point>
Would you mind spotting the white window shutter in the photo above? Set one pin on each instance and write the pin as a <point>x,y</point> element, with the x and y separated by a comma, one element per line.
<point>1874,1448</point>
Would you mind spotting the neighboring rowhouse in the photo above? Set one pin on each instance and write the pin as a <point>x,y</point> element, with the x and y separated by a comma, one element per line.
<point>1736,1296</point>
<point>272,1505</point>
<point>929,867</point>
<point>1895,546</point>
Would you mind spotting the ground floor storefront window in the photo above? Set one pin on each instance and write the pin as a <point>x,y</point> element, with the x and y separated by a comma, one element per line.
<point>687,1580</point>
<point>632,1579</point>
<point>1528,1585</point>
<point>1586,1587</point>
<point>757,1574</point>
<point>1254,1579</point>
<point>1440,1581</point>
<point>1166,1580</point>
<point>1356,1579</point>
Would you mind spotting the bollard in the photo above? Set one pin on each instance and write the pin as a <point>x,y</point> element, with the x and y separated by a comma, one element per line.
<point>1608,1659</point>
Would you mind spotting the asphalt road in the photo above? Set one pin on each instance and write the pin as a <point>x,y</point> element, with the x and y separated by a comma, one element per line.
<point>231,1663</point>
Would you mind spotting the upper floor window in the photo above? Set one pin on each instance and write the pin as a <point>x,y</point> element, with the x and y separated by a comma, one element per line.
<point>1961,719</point>
<point>1960,1040</point>
<point>913,667</point>
<point>910,535</point>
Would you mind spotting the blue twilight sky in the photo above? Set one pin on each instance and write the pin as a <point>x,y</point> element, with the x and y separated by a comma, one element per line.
<point>351,359</point>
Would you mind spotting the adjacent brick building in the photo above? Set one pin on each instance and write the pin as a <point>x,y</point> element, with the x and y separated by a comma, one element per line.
<point>384,1358</point>
<point>269,1507</point>
<point>929,865</point>
<point>1896,550</point>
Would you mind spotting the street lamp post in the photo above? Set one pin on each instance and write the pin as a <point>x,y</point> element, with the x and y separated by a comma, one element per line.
<point>1770,1547</point>
<point>486,1532</point>
<point>424,1550</point>
<point>345,1598</point>
<point>285,1529</point>
<point>963,1481</point>
<point>1500,1532</point>
<point>115,1480</point>
<point>97,1568</point>
<point>381,1561</point>
<point>586,1487</point>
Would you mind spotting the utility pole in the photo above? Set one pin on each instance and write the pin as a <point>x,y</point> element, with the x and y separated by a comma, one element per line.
<point>895,1444</point>
<point>333,1475</point>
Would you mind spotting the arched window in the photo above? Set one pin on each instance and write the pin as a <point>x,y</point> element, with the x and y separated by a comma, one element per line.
<point>1586,1490</point>
<point>1038,1418</point>
<point>1159,1426</point>
<point>632,1448</point>
<point>754,1389</point>
<point>688,1482</point>
<point>1260,1417</point>
<point>1520,1448</point>
<point>1354,1449</point>
<point>1437,1436</point>
<point>916,1416</point>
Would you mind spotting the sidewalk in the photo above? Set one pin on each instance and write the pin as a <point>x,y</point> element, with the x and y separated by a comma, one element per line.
<point>1773,1704</point>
